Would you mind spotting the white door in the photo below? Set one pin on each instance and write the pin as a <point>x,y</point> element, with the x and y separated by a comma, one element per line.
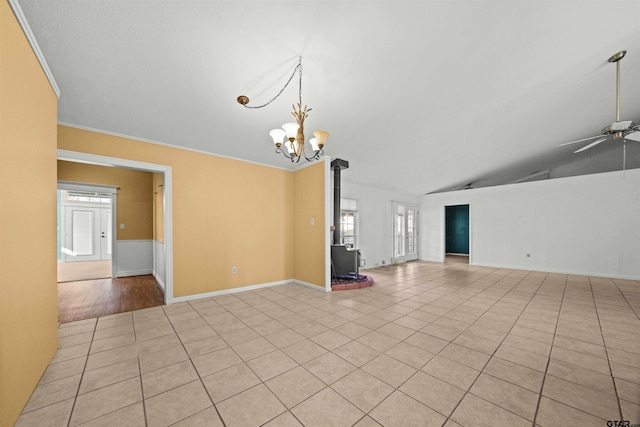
<point>405,245</point>
<point>105,233</point>
<point>87,234</point>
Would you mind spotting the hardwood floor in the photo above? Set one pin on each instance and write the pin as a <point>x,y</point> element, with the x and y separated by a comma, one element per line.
<point>93,298</point>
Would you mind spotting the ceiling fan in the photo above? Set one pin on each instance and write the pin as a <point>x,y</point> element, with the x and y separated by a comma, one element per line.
<point>626,130</point>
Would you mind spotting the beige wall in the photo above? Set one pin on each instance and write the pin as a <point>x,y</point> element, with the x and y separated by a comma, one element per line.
<point>28,307</point>
<point>309,239</point>
<point>135,196</point>
<point>226,213</point>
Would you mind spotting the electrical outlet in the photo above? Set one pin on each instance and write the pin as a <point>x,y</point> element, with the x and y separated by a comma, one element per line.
<point>121,226</point>
<point>234,270</point>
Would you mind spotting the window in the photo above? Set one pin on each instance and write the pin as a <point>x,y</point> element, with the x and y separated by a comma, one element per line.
<point>84,196</point>
<point>348,222</point>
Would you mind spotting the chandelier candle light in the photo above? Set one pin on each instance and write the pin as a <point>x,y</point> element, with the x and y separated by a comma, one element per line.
<point>292,134</point>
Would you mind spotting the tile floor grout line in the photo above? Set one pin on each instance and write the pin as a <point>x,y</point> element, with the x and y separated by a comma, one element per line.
<point>468,391</point>
<point>546,369</point>
<point>289,410</point>
<point>448,417</point>
<point>439,298</point>
<point>625,298</point>
<point>84,369</point>
<point>242,361</point>
<point>502,290</point>
<point>102,387</point>
<point>325,385</point>
<point>615,386</point>
<point>213,403</point>
<point>144,404</point>
<point>48,382</point>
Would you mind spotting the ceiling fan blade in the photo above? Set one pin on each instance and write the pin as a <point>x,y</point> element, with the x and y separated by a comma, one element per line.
<point>633,136</point>
<point>593,144</point>
<point>578,140</point>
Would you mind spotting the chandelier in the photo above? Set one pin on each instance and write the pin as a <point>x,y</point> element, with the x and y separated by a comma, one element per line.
<point>291,135</point>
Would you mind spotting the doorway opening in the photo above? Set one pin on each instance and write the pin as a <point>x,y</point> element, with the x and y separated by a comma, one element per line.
<point>89,284</point>
<point>405,232</point>
<point>161,255</point>
<point>457,234</point>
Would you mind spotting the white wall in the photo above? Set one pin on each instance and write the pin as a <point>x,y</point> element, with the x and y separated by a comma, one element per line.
<point>586,225</point>
<point>374,217</point>
<point>135,258</point>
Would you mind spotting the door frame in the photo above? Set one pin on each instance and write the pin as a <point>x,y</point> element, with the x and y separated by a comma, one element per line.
<point>444,230</point>
<point>94,159</point>
<point>99,188</point>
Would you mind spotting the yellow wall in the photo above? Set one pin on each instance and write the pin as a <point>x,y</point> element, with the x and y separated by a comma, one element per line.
<point>226,213</point>
<point>158,207</point>
<point>309,239</point>
<point>135,196</point>
<point>28,307</point>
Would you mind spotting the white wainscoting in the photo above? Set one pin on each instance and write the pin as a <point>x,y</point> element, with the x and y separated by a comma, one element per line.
<point>135,257</point>
<point>159,269</point>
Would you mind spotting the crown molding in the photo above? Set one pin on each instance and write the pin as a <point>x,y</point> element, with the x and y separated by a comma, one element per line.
<point>164,144</point>
<point>22,20</point>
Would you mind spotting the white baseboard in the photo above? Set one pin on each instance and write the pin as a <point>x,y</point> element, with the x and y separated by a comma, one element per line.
<point>311,285</point>
<point>558,271</point>
<point>129,273</point>
<point>231,291</point>
<point>159,280</point>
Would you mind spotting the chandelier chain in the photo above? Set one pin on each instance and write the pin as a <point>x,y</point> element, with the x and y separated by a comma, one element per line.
<point>290,142</point>
<point>298,69</point>
<point>300,82</point>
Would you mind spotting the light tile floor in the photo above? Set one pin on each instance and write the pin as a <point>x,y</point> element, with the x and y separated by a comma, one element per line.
<point>428,345</point>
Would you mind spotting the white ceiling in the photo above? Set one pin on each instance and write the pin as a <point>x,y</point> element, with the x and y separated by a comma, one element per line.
<point>417,95</point>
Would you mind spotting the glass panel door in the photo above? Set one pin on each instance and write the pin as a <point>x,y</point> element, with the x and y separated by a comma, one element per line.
<point>400,249</point>
<point>405,238</point>
<point>411,233</point>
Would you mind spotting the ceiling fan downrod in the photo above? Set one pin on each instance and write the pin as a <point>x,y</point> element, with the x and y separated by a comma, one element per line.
<point>625,129</point>
<point>616,58</point>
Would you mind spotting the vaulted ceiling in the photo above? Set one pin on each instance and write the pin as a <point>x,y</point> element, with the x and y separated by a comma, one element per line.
<point>417,95</point>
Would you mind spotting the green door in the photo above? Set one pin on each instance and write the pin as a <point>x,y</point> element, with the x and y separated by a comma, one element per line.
<point>457,229</point>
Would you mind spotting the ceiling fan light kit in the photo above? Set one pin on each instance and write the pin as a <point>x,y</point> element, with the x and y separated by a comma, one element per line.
<point>291,135</point>
<point>625,130</point>
<point>621,126</point>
